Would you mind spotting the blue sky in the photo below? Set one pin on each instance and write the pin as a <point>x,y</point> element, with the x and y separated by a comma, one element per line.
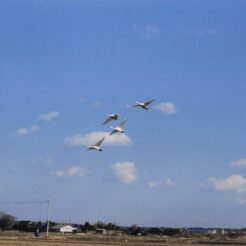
<point>65,64</point>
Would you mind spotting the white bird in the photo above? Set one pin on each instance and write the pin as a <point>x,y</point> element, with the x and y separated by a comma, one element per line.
<point>119,128</point>
<point>111,117</point>
<point>144,105</point>
<point>96,146</point>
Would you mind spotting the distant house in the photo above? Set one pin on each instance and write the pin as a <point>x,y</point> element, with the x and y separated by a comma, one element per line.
<point>64,229</point>
<point>212,231</point>
<point>68,229</point>
<point>101,231</point>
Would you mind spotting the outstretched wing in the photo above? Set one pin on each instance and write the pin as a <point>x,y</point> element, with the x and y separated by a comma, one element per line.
<point>99,142</point>
<point>112,132</point>
<point>149,102</point>
<point>107,120</point>
<point>121,125</point>
<point>137,104</point>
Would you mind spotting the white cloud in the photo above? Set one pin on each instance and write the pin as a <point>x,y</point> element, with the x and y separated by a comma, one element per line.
<point>239,163</point>
<point>25,131</point>
<point>125,172</point>
<point>148,31</point>
<point>93,137</point>
<point>70,172</point>
<point>49,116</point>
<point>235,183</point>
<point>166,107</point>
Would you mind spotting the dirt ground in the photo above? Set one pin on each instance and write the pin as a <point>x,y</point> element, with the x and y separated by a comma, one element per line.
<point>27,239</point>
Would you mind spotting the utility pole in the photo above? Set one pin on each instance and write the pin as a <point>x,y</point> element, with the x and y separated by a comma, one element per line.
<point>48,218</point>
<point>33,202</point>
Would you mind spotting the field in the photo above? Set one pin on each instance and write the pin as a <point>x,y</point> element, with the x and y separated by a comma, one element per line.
<point>27,239</point>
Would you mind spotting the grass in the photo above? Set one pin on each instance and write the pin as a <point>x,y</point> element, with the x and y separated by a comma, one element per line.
<point>55,239</point>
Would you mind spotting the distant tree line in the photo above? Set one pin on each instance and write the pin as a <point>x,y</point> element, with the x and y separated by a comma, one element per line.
<point>9,222</point>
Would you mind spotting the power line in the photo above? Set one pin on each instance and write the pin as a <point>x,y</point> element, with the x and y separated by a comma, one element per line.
<point>23,202</point>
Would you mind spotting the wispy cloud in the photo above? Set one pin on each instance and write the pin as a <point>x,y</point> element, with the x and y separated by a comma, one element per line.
<point>125,172</point>
<point>166,107</point>
<point>235,183</point>
<point>96,104</point>
<point>241,200</point>
<point>153,184</point>
<point>93,137</point>
<point>43,160</point>
<point>25,131</point>
<point>148,31</point>
<point>168,182</point>
<point>22,131</point>
<point>201,32</point>
<point>70,172</point>
<point>59,173</point>
<point>239,163</point>
<point>49,116</point>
